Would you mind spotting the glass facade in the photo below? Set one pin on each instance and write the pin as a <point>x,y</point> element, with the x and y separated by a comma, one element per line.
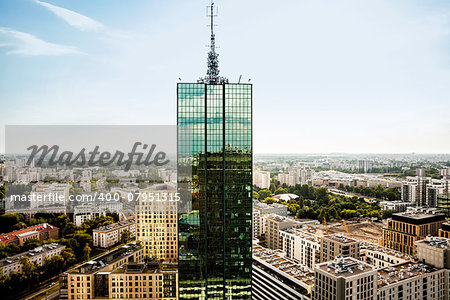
<point>215,236</point>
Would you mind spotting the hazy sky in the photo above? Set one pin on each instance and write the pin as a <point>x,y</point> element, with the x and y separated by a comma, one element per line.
<point>329,76</point>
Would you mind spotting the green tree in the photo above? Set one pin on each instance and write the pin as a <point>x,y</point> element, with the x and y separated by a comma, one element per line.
<point>269,200</point>
<point>263,194</point>
<point>125,236</point>
<point>53,265</point>
<point>280,190</point>
<point>255,195</point>
<point>86,252</point>
<point>31,244</point>
<point>69,257</point>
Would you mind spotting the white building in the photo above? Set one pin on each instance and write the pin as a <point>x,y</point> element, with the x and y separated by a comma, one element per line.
<point>301,246</point>
<point>261,179</point>
<point>92,210</point>
<point>37,256</point>
<point>398,206</point>
<point>109,235</point>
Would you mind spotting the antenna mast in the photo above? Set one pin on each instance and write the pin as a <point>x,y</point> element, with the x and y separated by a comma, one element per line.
<point>212,75</point>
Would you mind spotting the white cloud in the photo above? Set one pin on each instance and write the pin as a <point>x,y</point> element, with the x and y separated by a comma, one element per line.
<point>74,19</point>
<point>26,44</point>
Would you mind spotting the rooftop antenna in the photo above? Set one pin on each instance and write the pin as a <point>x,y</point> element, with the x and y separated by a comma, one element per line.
<point>212,75</point>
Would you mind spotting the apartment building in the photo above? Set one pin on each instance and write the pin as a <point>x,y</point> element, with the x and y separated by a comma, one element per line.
<point>274,225</point>
<point>261,179</point>
<point>381,257</point>
<point>414,190</point>
<point>344,278</point>
<point>435,188</point>
<point>334,245</point>
<point>91,210</point>
<point>412,281</point>
<point>109,235</point>
<point>403,229</point>
<point>274,208</point>
<point>301,246</point>
<point>434,251</point>
<point>157,223</point>
<point>276,277</point>
<point>256,223</point>
<point>41,232</point>
<point>37,256</point>
<point>398,206</point>
<point>120,274</point>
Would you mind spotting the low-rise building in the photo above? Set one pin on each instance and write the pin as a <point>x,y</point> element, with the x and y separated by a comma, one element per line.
<point>274,208</point>
<point>398,206</point>
<point>109,235</point>
<point>41,232</point>
<point>37,256</point>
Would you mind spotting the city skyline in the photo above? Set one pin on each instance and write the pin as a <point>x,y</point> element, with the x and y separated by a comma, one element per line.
<point>331,77</point>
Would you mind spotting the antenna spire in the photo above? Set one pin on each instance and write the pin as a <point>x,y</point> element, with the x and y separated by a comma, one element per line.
<point>212,75</point>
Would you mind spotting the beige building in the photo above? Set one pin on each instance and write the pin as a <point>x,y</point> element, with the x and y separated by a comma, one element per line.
<point>120,274</point>
<point>381,257</point>
<point>109,235</point>
<point>157,223</point>
<point>345,278</point>
<point>434,251</point>
<point>37,256</point>
<point>334,245</point>
<point>274,225</point>
<point>412,281</point>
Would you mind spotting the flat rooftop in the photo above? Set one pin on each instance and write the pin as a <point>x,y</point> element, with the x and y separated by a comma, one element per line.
<point>345,267</point>
<point>340,238</point>
<point>436,242</point>
<point>381,249</point>
<point>109,258</point>
<point>303,234</point>
<point>30,253</point>
<point>394,274</point>
<point>418,218</point>
<point>115,226</point>
<point>276,259</point>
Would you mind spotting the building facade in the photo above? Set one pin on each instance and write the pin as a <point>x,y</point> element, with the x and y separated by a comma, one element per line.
<point>109,235</point>
<point>41,232</point>
<point>403,229</point>
<point>215,171</point>
<point>273,226</point>
<point>345,278</point>
<point>334,245</point>
<point>157,223</point>
<point>37,256</point>
<point>120,274</point>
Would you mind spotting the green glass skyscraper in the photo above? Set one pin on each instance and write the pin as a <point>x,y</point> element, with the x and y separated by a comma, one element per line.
<point>215,172</point>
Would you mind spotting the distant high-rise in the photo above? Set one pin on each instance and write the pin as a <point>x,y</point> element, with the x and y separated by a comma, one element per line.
<point>215,228</point>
